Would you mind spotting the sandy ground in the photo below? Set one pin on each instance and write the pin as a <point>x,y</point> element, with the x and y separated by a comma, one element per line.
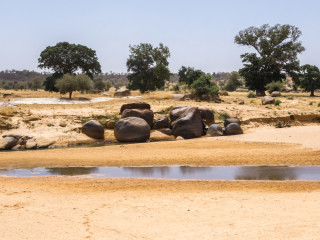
<point>50,208</point>
<point>71,208</point>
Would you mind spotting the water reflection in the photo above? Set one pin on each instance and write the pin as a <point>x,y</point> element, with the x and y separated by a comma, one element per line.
<point>72,171</point>
<point>266,173</point>
<point>147,171</point>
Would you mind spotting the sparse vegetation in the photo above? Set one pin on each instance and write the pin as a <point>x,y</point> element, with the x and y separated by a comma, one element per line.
<point>251,95</point>
<point>274,86</point>
<point>223,116</point>
<point>277,102</point>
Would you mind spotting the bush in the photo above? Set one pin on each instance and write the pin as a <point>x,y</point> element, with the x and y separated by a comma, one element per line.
<point>176,87</point>
<point>277,102</point>
<point>274,86</point>
<point>224,93</point>
<point>223,116</point>
<point>251,95</point>
<point>204,86</point>
<point>318,104</point>
<point>310,103</point>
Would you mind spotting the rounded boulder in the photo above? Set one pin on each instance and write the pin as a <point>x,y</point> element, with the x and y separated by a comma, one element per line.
<point>93,129</point>
<point>132,129</point>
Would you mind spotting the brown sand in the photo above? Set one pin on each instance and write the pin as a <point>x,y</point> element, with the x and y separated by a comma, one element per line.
<point>76,208</point>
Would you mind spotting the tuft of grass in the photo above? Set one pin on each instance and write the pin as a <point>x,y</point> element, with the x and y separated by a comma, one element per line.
<point>277,102</point>
<point>291,116</point>
<point>166,111</point>
<point>310,103</point>
<point>50,125</point>
<point>290,98</point>
<point>251,95</point>
<point>223,116</point>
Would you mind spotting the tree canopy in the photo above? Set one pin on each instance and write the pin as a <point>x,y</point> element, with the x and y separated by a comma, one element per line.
<point>148,66</point>
<point>70,83</point>
<point>310,78</point>
<point>66,58</point>
<point>276,53</point>
<point>188,75</point>
<point>204,85</point>
<point>233,82</point>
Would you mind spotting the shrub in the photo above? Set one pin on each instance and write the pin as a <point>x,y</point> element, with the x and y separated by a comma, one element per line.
<point>223,116</point>
<point>251,95</point>
<point>224,93</point>
<point>274,86</point>
<point>291,116</point>
<point>277,102</point>
<point>204,86</point>
<point>176,87</point>
<point>310,103</point>
<point>318,104</point>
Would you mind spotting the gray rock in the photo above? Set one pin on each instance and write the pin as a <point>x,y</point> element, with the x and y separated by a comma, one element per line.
<point>62,124</point>
<point>189,124</point>
<point>93,129</point>
<point>166,131</point>
<point>161,122</point>
<point>137,105</point>
<point>267,100</point>
<point>233,129</point>
<point>122,93</point>
<point>275,94</point>
<point>207,116</point>
<point>176,112</point>
<point>31,144</point>
<point>132,129</point>
<point>111,124</point>
<point>242,90</point>
<point>145,114</point>
<point>16,136</point>
<point>8,143</point>
<point>179,97</point>
<point>241,102</point>
<point>231,120</point>
<point>215,130</point>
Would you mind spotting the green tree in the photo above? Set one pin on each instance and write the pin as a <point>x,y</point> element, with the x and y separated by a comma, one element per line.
<point>66,58</point>
<point>276,49</point>
<point>148,67</point>
<point>99,84</point>
<point>36,83</point>
<point>70,83</point>
<point>310,78</point>
<point>108,85</point>
<point>204,86</point>
<point>233,82</point>
<point>188,75</point>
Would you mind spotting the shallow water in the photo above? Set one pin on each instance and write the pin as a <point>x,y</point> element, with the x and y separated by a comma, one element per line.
<point>58,100</point>
<point>178,172</point>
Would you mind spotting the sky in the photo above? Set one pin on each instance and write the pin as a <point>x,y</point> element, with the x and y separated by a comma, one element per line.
<point>199,33</point>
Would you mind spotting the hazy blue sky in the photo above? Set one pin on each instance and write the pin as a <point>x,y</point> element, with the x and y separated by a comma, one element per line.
<point>199,33</point>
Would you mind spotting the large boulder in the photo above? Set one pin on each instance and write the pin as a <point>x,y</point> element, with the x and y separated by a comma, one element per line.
<point>31,144</point>
<point>267,100</point>
<point>231,120</point>
<point>8,143</point>
<point>275,94</point>
<point>189,124</point>
<point>161,122</point>
<point>176,112</point>
<point>233,129</point>
<point>145,114</point>
<point>207,116</point>
<point>136,105</point>
<point>122,93</point>
<point>132,129</point>
<point>215,130</point>
<point>93,129</point>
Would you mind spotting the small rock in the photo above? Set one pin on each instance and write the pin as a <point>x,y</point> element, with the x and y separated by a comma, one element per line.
<point>275,94</point>
<point>215,130</point>
<point>179,138</point>
<point>231,120</point>
<point>62,124</point>
<point>179,97</point>
<point>7,143</point>
<point>267,100</point>
<point>136,105</point>
<point>161,122</point>
<point>241,102</point>
<point>166,131</point>
<point>111,124</point>
<point>31,119</point>
<point>122,93</point>
<point>31,144</point>
<point>93,129</point>
<point>233,129</point>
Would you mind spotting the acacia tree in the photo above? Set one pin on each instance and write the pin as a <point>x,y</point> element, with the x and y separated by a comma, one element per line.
<point>276,53</point>
<point>310,78</point>
<point>66,58</point>
<point>148,67</point>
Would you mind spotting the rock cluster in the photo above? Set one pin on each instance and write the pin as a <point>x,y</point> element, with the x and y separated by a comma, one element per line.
<point>23,142</point>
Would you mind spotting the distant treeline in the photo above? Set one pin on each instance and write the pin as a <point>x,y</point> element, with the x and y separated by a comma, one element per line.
<point>25,79</point>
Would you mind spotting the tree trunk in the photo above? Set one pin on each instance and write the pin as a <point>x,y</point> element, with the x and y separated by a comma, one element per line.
<point>70,93</point>
<point>312,93</point>
<point>260,92</point>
